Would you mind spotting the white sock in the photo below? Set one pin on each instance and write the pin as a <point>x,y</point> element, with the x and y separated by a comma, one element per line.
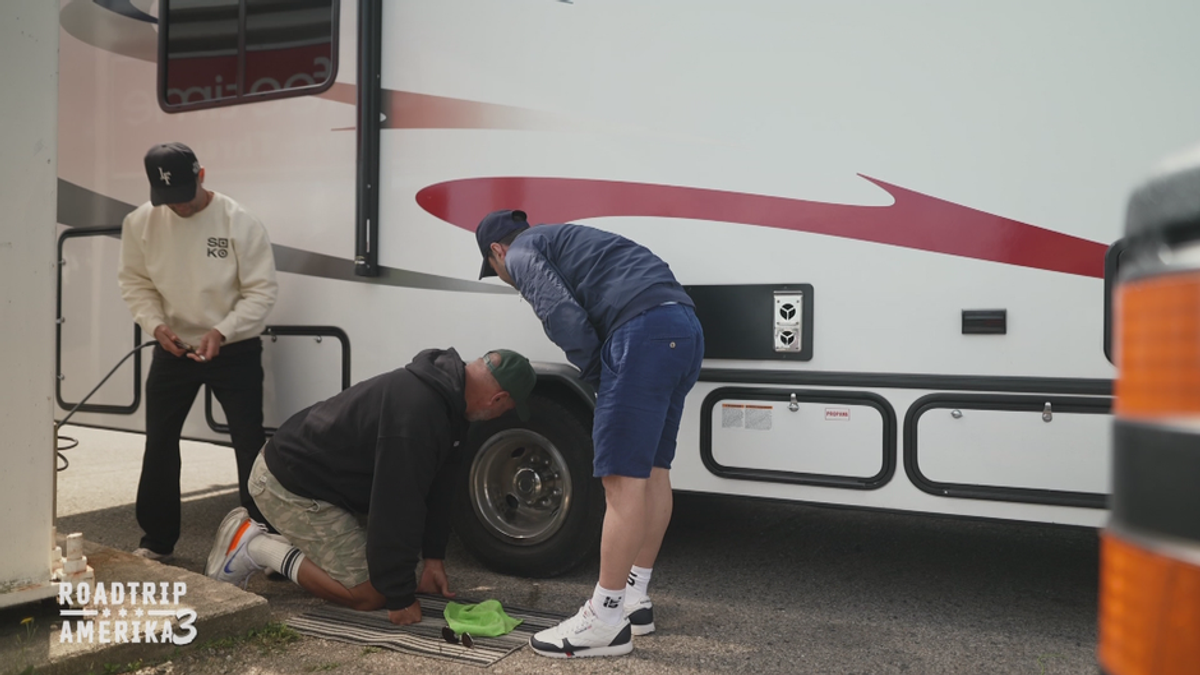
<point>639,579</point>
<point>277,554</point>
<point>609,606</point>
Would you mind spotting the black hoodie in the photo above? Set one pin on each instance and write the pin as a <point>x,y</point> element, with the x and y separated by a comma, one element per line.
<point>380,448</point>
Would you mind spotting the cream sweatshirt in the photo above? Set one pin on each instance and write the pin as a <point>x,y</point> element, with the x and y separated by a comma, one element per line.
<point>212,270</point>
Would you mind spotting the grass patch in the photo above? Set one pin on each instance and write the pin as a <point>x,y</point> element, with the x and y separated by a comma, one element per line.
<point>269,638</point>
<point>117,668</point>
<point>371,650</point>
<point>324,667</point>
<point>25,638</point>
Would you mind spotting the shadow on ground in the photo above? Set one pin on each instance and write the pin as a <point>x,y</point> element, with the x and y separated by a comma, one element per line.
<point>773,587</point>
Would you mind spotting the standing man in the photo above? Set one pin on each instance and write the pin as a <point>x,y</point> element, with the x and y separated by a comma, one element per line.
<point>360,484</point>
<point>197,273</point>
<point>621,317</point>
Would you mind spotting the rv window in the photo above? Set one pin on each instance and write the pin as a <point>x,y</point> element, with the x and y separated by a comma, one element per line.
<point>226,52</point>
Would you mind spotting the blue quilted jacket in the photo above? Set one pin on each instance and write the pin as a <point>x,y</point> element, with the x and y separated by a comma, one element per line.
<point>583,283</point>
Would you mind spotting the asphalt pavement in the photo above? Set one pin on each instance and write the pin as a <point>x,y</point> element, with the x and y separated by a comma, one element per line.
<point>741,586</point>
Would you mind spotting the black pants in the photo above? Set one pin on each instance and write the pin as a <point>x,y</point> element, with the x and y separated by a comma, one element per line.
<point>236,378</point>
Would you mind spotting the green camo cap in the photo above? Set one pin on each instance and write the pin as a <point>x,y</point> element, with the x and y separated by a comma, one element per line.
<point>515,376</point>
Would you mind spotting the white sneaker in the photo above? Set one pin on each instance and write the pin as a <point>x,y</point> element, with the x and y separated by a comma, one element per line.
<point>225,533</point>
<point>146,553</point>
<point>641,616</point>
<point>583,635</point>
<point>229,560</point>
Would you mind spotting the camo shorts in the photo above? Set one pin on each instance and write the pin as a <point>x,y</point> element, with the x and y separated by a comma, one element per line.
<point>330,536</point>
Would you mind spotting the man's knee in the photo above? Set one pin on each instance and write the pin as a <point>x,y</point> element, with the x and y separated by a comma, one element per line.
<point>660,476</point>
<point>623,487</point>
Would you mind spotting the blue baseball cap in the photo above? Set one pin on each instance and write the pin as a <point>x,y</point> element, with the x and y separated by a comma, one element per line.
<point>496,226</point>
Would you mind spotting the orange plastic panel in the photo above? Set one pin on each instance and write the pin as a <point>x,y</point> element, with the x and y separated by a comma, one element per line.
<point>1149,611</point>
<point>1158,347</point>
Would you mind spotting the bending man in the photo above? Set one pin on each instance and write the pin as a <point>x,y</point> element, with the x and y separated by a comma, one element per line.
<point>361,484</point>
<point>621,317</point>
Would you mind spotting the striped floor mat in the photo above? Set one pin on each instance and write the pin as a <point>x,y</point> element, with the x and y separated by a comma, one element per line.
<point>425,638</point>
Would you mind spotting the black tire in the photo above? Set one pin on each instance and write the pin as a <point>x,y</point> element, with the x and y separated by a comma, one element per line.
<point>507,513</point>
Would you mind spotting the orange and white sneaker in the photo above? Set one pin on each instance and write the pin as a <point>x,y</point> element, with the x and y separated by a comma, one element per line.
<point>229,560</point>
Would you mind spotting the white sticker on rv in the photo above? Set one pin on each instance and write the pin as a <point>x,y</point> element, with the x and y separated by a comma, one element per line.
<point>732,415</point>
<point>758,417</point>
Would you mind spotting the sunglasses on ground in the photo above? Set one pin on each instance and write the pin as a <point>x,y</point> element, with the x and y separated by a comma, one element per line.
<point>449,636</point>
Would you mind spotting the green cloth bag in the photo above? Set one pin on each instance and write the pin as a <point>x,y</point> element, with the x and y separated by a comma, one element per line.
<point>486,619</point>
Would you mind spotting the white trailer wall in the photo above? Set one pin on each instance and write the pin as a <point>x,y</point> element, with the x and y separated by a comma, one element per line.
<point>28,191</point>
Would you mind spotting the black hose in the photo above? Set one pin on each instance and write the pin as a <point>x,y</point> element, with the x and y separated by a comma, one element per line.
<point>60,449</point>
<point>64,448</point>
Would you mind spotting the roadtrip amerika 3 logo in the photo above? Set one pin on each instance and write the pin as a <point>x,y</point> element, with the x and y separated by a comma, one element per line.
<point>119,612</point>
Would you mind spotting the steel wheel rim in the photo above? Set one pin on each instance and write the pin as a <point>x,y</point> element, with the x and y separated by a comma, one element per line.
<point>520,487</point>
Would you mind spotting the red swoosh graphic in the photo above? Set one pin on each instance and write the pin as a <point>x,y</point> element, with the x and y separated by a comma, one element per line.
<point>410,110</point>
<point>913,220</point>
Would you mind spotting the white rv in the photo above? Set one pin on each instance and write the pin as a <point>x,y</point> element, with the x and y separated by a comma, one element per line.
<point>895,219</point>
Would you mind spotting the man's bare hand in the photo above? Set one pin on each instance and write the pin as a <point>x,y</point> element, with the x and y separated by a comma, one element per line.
<point>209,347</point>
<point>408,615</point>
<point>434,580</point>
<point>167,338</point>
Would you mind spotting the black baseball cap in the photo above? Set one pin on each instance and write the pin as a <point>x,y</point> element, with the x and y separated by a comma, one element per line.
<point>173,171</point>
<point>516,376</point>
<point>494,227</point>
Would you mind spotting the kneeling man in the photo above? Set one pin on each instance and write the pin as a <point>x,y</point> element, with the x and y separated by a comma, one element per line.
<point>360,485</point>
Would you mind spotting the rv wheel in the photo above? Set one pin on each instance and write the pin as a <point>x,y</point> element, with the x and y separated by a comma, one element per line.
<point>527,503</point>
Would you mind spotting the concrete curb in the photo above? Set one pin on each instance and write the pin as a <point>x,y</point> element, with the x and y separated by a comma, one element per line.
<point>222,610</point>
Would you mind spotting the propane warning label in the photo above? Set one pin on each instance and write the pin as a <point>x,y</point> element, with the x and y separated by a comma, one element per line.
<point>732,415</point>
<point>837,414</point>
<point>741,416</point>
<point>758,417</point>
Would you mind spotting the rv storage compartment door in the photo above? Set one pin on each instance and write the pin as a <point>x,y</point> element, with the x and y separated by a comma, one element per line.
<point>830,438</point>
<point>302,365</point>
<point>1041,449</point>
<point>95,328</point>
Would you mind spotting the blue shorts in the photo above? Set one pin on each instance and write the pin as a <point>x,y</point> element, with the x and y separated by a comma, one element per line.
<point>648,365</point>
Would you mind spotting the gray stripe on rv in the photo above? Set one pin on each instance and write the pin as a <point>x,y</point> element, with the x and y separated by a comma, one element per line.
<point>111,26</point>
<point>80,207</point>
